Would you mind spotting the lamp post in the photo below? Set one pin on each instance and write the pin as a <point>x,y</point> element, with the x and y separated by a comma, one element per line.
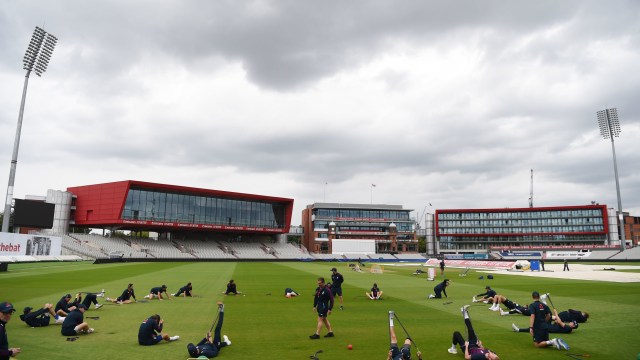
<point>610,128</point>
<point>36,58</point>
<point>372,186</point>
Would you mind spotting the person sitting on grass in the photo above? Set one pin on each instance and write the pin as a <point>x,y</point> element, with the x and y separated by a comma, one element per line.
<point>150,332</point>
<point>232,289</point>
<point>208,346</point>
<point>126,296</point>
<point>375,293</point>
<point>473,348</point>
<point>74,323</point>
<point>65,305</point>
<point>156,293</point>
<point>487,297</point>
<point>185,291</point>
<point>513,308</point>
<point>41,317</point>
<point>557,326</point>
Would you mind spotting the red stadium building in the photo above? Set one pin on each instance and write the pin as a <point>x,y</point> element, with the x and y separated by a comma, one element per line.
<point>143,206</point>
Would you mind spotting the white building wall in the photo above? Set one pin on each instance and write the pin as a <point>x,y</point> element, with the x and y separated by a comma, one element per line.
<point>62,213</point>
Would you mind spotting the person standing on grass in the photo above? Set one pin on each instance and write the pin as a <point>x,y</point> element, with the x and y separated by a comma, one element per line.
<point>156,292</point>
<point>6,310</point>
<point>442,267</point>
<point>150,332</point>
<point>439,290</point>
<point>395,353</point>
<point>539,325</point>
<point>473,348</point>
<point>542,264</point>
<point>74,323</point>
<point>210,347</point>
<point>185,290</point>
<point>566,265</point>
<point>322,304</point>
<point>336,288</point>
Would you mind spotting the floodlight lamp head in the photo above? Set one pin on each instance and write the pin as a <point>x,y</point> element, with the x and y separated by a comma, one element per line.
<point>39,51</point>
<point>608,123</point>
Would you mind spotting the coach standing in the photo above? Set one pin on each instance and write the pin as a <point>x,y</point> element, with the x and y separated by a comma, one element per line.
<point>337,279</point>
<point>6,310</point>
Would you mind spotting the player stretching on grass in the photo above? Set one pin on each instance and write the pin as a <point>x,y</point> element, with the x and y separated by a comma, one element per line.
<point>208,346</point>
<point>41,317</point>
<point>396,353</point>
<point>539,325</point>
<point>487,297</point>
<point>150,332</point>
<point>439,289</point>
<point>156,293</point>
<point>473,349</point>
<point>375,293</point>
<point>74,323</point>
<point>322,304</point>
<point>514,308</point>
<point>126,296</point>
<point>556,327</point>
<point>185,290</point>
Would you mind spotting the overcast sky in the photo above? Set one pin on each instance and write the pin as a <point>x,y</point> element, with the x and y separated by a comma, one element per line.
<point>448,103</point>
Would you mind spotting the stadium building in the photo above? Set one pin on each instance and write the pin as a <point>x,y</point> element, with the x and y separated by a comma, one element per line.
<point>482,230</point>
<point>332,228</point>
<point>170,209</point>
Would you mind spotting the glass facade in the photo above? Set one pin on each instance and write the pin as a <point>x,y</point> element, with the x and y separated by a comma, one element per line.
<point>153,205</point>
<point>394,215</point>
<point>479,230</point>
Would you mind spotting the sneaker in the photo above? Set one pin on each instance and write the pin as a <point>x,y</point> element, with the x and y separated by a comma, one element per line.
<point>101,294</point>
<point>431,296</point>
<point>563,344</point>
<point>314,336</point>
<point>474,299</point>
<point>60,320</point>
<point>147,297</point>
<point>90,331</point>
<point>452,350</point>
<point>174,338</point>
<point>109,299</point>
<point>464,309</point>
<point>226,339</point>
<point>173,294</point>
<point>496,308</point>
<point>503,313</point>
<point>391,314</point>
<point>515,328</point>
<point>220,305</point>
<point>98,306</point>
<point>341,307</point>
<point>555,343</point>
<point>329,334</point>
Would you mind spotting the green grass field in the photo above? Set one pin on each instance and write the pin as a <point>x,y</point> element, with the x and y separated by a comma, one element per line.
<point>264,324</point>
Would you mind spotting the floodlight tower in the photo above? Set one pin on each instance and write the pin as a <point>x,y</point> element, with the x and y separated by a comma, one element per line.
<point>610,128</point>
<point>36,58</point>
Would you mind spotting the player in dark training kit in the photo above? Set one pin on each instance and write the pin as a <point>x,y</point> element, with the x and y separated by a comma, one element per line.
<point>41,317</point>
<point>487,297</point>
<point>539,325</point>
<point>337,279</point>
<point>322,304</point>
<point>126,296</point>
<point>439,290</point>
<point>6,310</point>
<point>74,323</point>
<point>210,347</point>
<point>375,293</point>
<point>185,291</point>
<point>150,332</point>
<point>473,349</point>
<point>156,292</point>
<point>395,353</point>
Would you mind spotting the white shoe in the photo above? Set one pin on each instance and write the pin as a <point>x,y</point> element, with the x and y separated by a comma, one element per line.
<point>543,298</point>
<point>109,299</point>
<point>98,306</point>
<point>101,294</point>
<point>555,343</point>
<point>173,294</point>
<point>431,296</point>
<point>563,344</point>
<point>496,308</point>
<point>90,331</point>
<point>226,339</point>
<point>391,314</point>
<point>147,297</point>
<point>515,328</point>
<point>452,350</point>
<point>503,313</point>
<point>60,320</point>
<point>464,309</point>
<point>174,338</point>
<point>474,299</point>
